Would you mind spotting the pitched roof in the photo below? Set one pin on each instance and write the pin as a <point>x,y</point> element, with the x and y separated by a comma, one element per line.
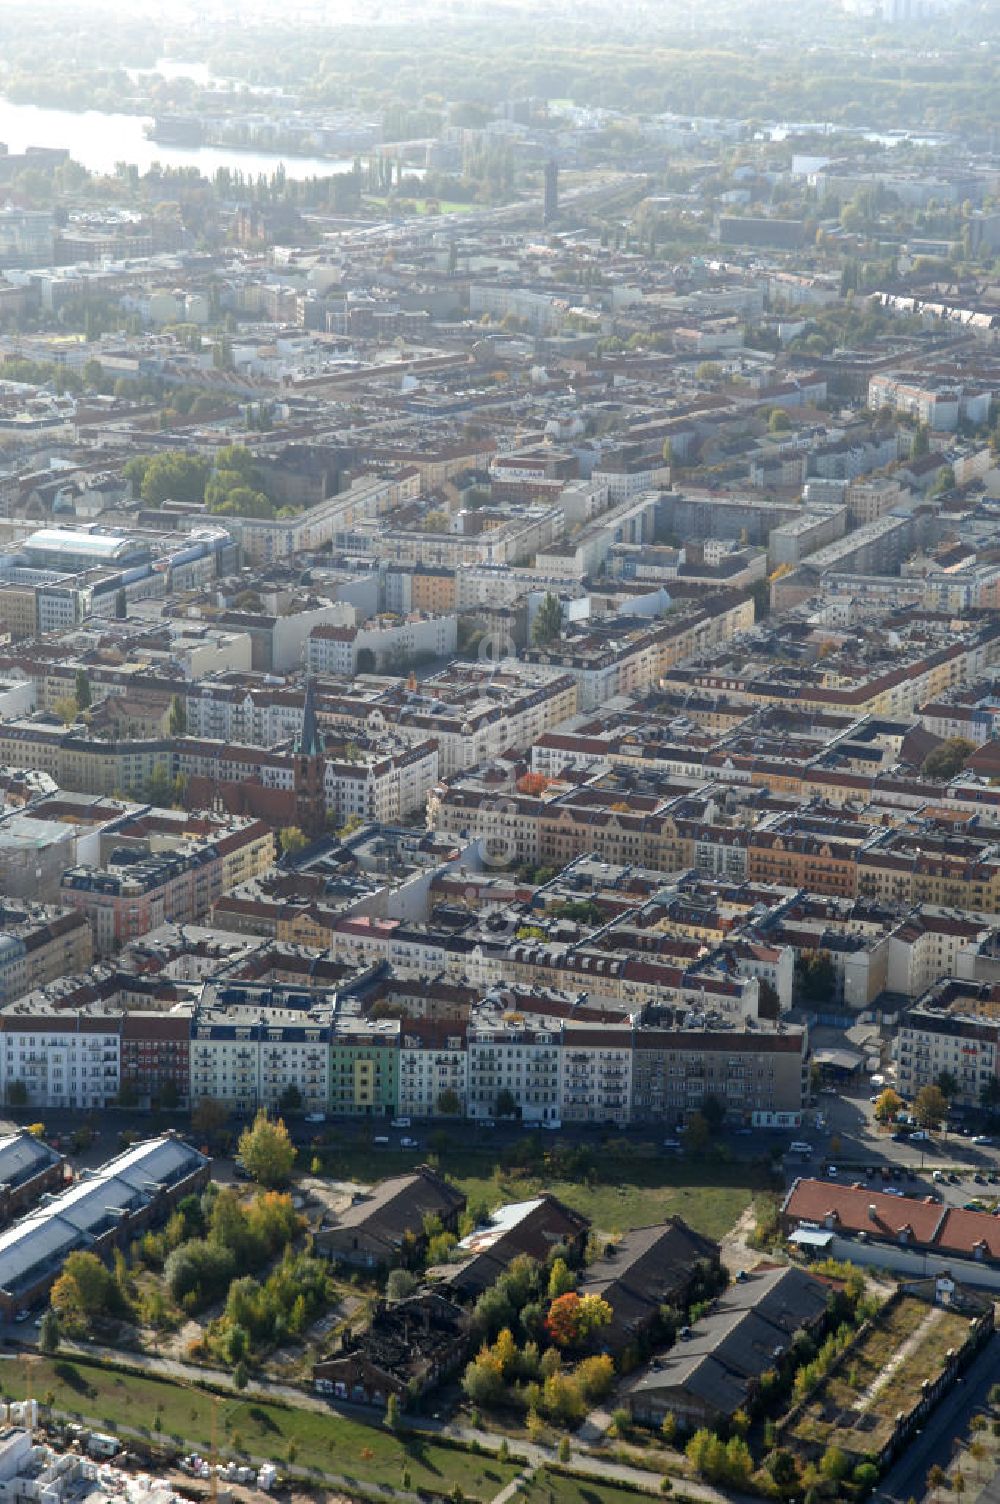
<point>858,1208</point>
<point>647,1268</point>
<point>397,1206</point>
<point>740,1338</point>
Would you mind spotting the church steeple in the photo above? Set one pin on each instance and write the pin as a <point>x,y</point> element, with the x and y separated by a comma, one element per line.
<point>310,743</point>
<point>310,765</point>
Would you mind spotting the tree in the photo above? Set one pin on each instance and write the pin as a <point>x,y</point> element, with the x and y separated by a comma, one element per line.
<point>948,759</point>
<point>697,1134</point>
<point>290,1099</point>
<point>400,1285</point>
<point>17,1094</point>
<point>201,1270</point>
<point>816,976</point>
<point>572,1318</point>
<point>267,1151</point>
<point>947,1084</point>
<point>178,717</point>
<point>291,840</point>
<point>834,1464</point>
<point>779,421</point>
<point>66,709</point>
<point>713,1110</point>
<point>506,1104</point>
<point>392,1412</point>
<point>82,689</point>
<point>930,1106</point>
<point>175,476</point>
<point>561,1279</point>
<point>888,1106</point>
<point>86,1287</point>
<point>208,1117</point>
<point>449,1103</point>
<point>989,1094</point>
<point>548,621</point>
<point>121,604</point>
<point>48,1333</point>
<point>781,1465</point>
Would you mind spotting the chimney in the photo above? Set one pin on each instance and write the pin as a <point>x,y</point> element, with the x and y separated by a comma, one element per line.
<point>872,1212</point>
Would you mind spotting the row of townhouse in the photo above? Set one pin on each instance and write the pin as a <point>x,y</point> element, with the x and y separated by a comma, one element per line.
<point>248,1045</point>
<point>473,710</point>
<point>138,890</point>
<point>965,656</point>
<point>39,943</point>
<point>954,1031</point>
<point>623,658</point>
<point>839,857</point>
<point>265,540</point>
<point>385,785</point>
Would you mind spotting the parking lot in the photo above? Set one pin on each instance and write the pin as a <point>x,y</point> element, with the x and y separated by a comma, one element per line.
<point>845,1135</point>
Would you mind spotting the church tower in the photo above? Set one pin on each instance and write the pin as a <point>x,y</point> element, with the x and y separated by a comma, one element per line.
<point>310,764</point>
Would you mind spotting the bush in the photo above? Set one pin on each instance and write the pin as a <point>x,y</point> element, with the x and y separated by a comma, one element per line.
<point>200,1269</point>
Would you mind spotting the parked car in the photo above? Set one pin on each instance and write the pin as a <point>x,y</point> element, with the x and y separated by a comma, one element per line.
<point>314,1117</point>
<point>400,1123</point>
<point>672,1143</point>
<point>983,1140</point>
<point>831,1171</point>
<point>408,1143</point>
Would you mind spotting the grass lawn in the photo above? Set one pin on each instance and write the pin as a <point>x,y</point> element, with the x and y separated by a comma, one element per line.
<point>630,1185</point>
<point>330,1442</point>
<point>548,1487</point>
<point>618,1206</point>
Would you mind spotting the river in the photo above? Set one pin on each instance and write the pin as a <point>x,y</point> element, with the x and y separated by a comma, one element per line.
<point>99,140</point>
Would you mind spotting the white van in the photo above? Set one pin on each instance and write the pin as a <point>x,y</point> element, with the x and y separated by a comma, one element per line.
<point>798,1147</point>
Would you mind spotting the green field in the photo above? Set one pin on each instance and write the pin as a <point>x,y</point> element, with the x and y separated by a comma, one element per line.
<point>548,1487</point>
<point>109,1398</point>
<point>709,1208</point>
<point>627,1186</point>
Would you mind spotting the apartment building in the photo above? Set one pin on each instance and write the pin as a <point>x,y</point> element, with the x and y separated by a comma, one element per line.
<point>39,944</point>
<point>595,1075</point>
<point>381,645</point>
<point>514,1067</point>
<point>756,1074</point>
<point>955,1029</point>
<point>249,1045</point>
<point>60,1059</point>
<point>364,1067</point>
<point>155,1053</point>
<point>433,1068</point>
<point>137,890</point>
